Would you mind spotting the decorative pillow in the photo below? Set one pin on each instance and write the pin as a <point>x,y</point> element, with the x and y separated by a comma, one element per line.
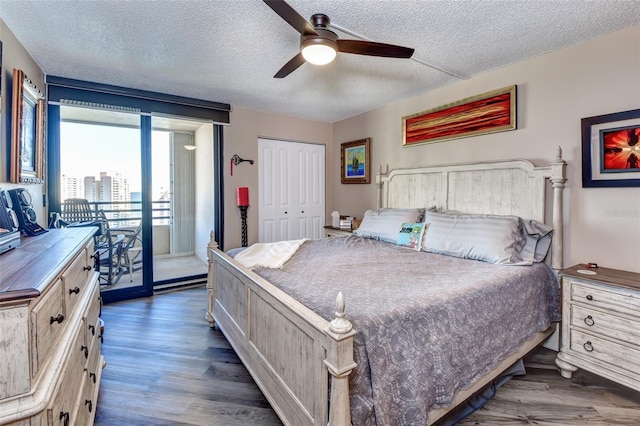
<point>490,238</point>
<point>384,224</point>
<point>410,235</point>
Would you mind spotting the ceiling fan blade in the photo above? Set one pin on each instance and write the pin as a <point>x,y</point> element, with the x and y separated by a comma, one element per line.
<point>290,66</point>
<point>289,14</point>
<point>372,48</point>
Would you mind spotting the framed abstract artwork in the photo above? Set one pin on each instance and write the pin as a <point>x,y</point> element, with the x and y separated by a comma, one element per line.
<point>489,112</point>
<point>355,161</point>
<point>26,164</point>
<point>611,150</point>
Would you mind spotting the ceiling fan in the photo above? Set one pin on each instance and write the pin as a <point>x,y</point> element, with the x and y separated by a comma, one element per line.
<point>319,46</point>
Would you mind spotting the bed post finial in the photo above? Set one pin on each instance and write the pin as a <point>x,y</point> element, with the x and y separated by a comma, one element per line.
<point>380,184</point>
<point>340,325</point>
<point>558,178</point>
<point>559,155</point>
<point>340,363</point>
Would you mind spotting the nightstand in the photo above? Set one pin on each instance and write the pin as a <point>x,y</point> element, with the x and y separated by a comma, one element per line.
<point>330,231</point>
<point>601,324</point>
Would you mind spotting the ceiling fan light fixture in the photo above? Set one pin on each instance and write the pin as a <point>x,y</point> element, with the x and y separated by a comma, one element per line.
<point>319,52</point>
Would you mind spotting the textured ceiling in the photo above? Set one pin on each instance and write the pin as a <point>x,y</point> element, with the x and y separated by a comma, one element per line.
<point>228,51</point>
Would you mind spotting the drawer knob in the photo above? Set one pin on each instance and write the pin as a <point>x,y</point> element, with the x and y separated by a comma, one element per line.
<point>64,418</point>
<point>588,346</point>
<point>92,329</point>
<point>589,320</point>
<point>87,268</point>
<point>89,404</point>
<point>92,376</point>
<point>589,297</point>
<point>85,349</point>
<point>75,290</point>
<point>57,319</point>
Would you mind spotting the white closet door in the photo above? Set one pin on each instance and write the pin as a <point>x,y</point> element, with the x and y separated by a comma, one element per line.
<point>291,190</point>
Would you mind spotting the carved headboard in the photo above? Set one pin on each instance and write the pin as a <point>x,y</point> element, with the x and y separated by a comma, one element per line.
<point>514,187</point>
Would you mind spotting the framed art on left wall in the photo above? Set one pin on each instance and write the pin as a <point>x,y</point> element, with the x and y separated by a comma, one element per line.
<point>26,162</point>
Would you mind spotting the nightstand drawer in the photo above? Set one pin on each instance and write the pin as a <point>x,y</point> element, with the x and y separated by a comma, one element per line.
<point>599,322</point>
<point>620,300</point>
<point>626,357</point>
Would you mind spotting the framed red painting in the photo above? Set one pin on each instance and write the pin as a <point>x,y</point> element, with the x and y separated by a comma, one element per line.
<point>611,150</point>
<point>489,112</point>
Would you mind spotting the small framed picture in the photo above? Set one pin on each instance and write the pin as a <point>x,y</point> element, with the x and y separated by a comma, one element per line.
<point>355,159</point>
<point>611,150</point>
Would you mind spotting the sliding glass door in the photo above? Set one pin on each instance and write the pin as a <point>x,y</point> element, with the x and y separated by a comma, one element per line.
<point>181,189</point>
<point>148,167</point>
<point>101,166</point>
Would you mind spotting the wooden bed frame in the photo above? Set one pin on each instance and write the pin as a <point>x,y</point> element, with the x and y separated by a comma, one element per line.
<point>295,355</point>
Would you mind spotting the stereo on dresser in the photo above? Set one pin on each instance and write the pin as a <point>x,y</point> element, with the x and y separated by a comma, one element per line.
<point>23,208</point>
<point>9,225</point>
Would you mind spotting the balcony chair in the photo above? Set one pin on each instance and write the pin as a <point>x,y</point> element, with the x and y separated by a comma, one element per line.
<point>108,243</point>
<point>131,249</point>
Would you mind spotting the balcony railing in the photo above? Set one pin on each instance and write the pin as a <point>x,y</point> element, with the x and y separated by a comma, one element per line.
<point>129,213</point>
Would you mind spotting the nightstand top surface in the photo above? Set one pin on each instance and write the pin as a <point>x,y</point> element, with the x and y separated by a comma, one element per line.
<point>605,275</point>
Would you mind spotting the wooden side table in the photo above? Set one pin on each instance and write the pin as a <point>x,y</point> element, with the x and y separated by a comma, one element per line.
<point>330,231</point>
<point>601,324</point>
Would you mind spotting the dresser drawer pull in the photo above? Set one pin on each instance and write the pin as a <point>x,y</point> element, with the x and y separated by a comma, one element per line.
<point>75,290</point>
<point>589,320</point>
<point>588,346</point>
<point>85,349</point>
<point>64,418</point>
<point>89,403</point>
<point>92,328</point>
<point>589,297</point>
<point>57,319</point>
<point>92,376</point>
<point>87,268</point>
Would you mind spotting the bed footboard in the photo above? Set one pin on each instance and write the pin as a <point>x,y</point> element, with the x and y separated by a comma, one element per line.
<point>290,351</point>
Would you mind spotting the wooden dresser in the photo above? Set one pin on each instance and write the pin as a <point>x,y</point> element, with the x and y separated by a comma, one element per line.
<point>601,324</point>
<point>50,360</point>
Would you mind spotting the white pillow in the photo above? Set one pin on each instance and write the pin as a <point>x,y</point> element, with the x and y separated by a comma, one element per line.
<point>384,224</point>
<point>490,238</point>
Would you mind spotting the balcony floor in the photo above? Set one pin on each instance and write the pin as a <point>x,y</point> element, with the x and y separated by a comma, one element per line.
<point>165,269</point>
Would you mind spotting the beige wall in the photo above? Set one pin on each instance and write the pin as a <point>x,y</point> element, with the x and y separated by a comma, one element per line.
<point>241,138</point>
<point>15,56</point>
<point>555,91</point>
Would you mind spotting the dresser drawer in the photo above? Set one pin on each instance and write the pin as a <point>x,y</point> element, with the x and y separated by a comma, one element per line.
<point>62,410</point>
<point>90,318</point>
<point>75,279</point>
<point>598,322</point>
<point>48,320</point>
<point>620,300</point>
<point>621,356</point>
<point>91,379</point>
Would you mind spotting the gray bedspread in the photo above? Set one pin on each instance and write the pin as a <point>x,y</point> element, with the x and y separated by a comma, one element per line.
<point>427,325</point>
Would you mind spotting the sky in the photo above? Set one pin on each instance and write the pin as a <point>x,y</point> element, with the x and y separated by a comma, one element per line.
<point>88,149</point>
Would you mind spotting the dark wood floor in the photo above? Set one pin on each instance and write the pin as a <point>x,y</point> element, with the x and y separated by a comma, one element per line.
<point>165,366</point>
